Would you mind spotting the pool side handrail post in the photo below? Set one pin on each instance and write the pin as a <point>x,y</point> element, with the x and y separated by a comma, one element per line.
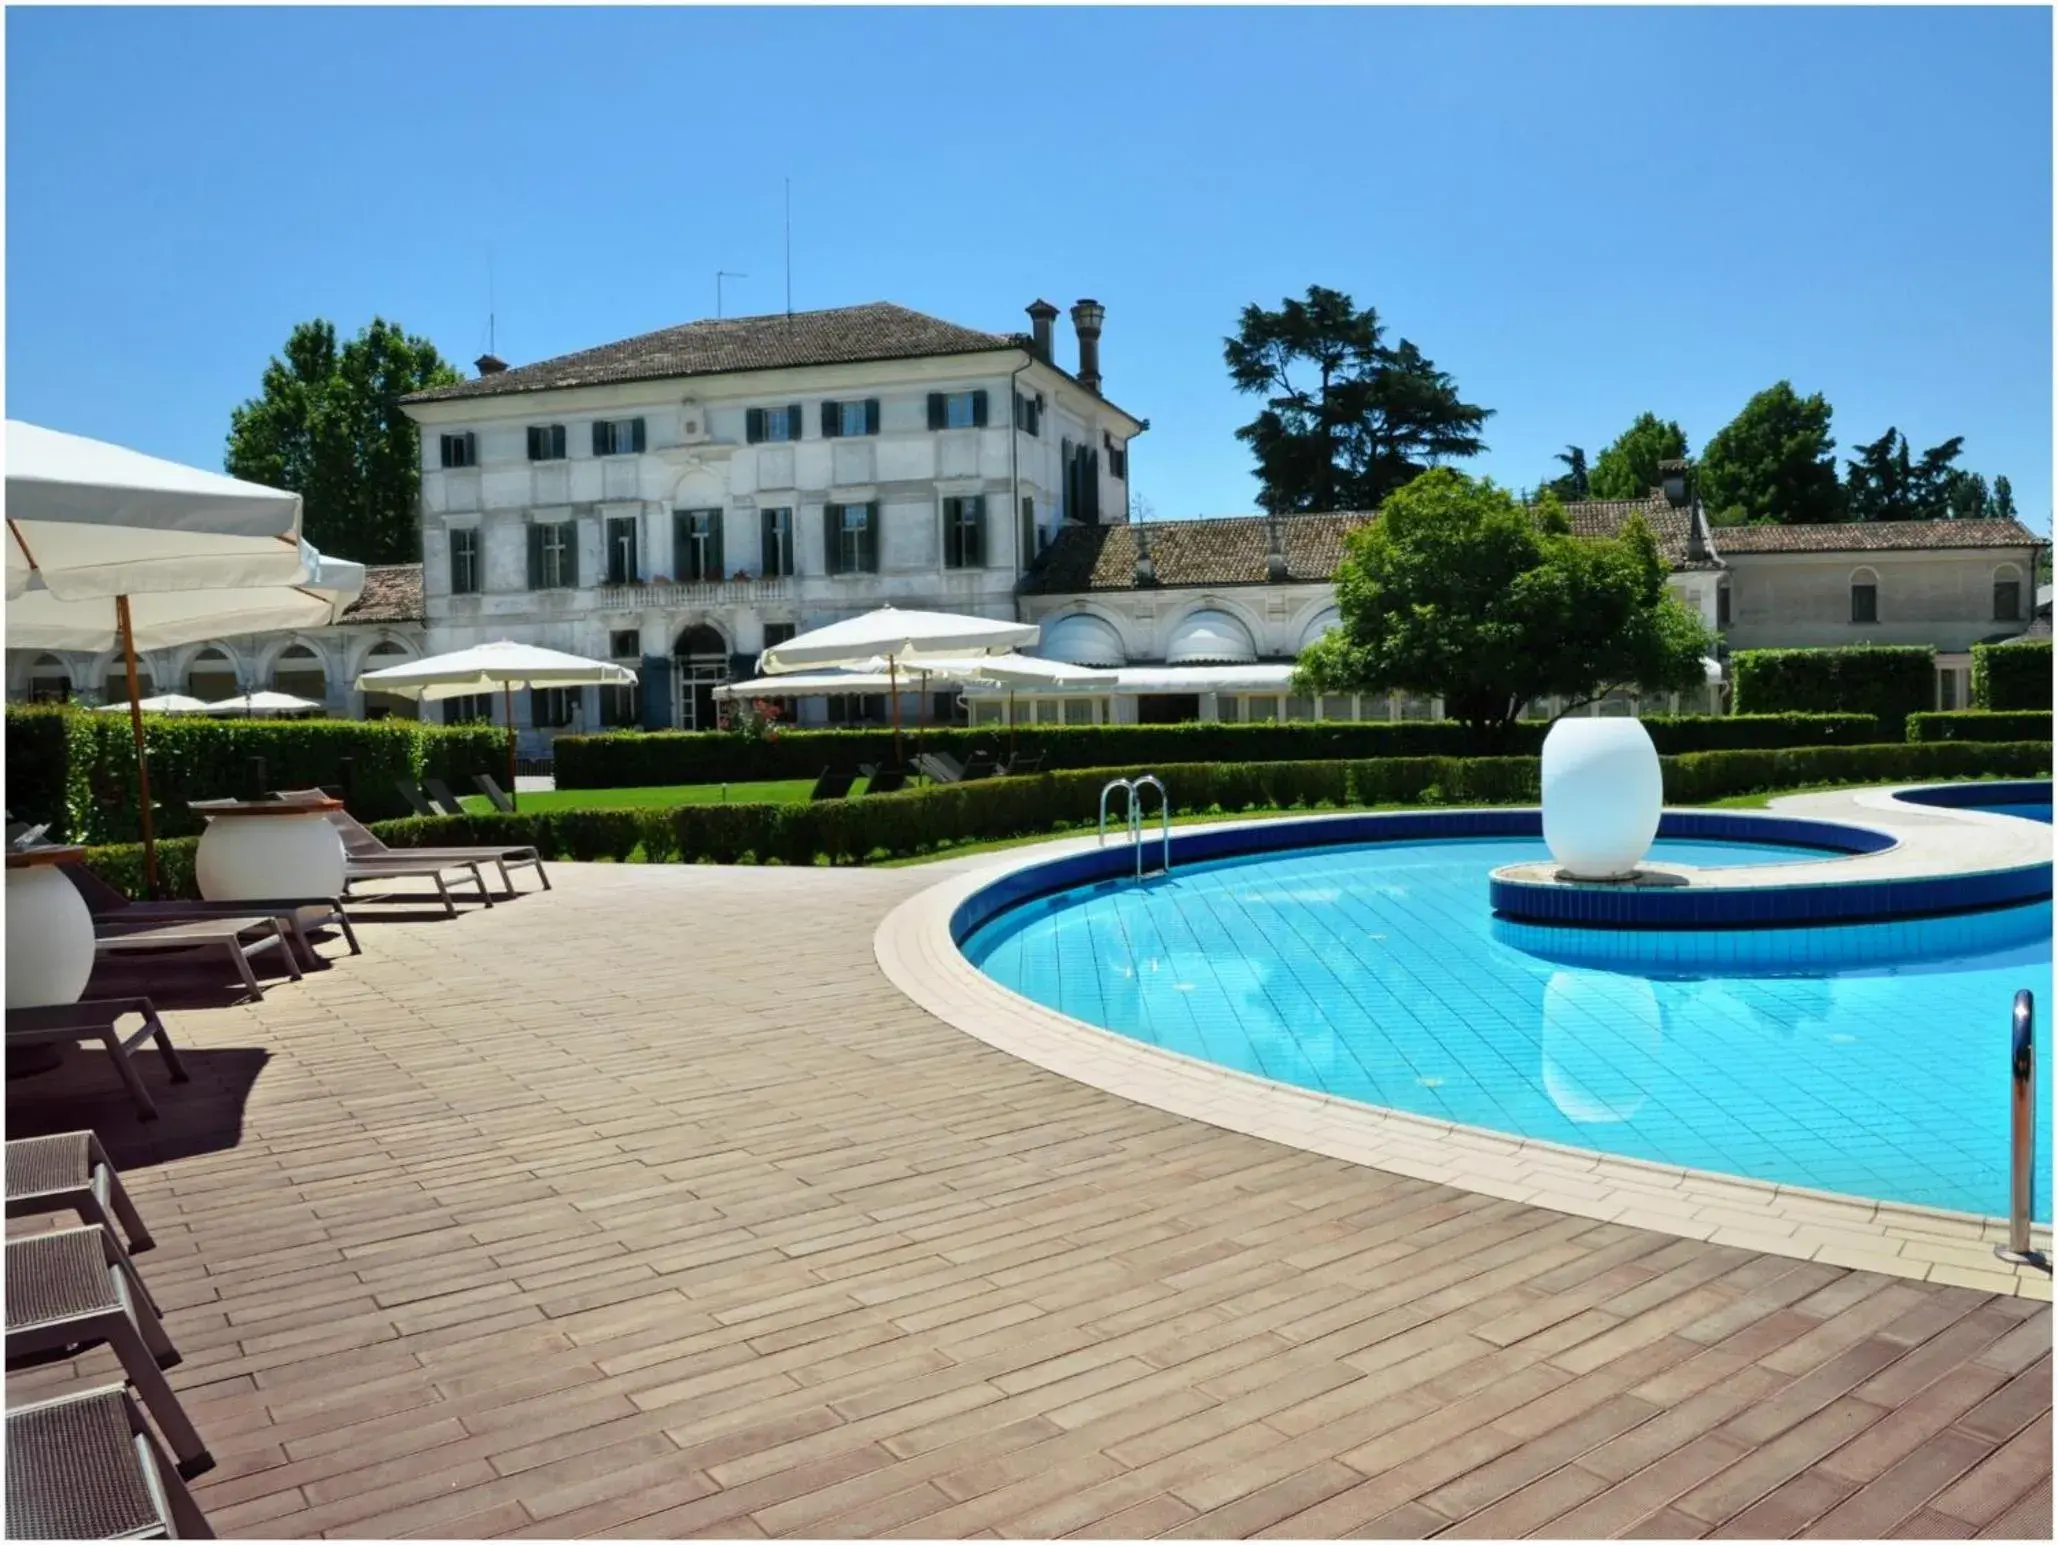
<point>1129,801</point>
<point>2022,1135</point>
<point>1136,788</point>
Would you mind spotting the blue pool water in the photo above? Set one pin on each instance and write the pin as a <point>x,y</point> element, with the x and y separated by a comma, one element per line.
<point>2026,812</point>
<point>1373,972</point>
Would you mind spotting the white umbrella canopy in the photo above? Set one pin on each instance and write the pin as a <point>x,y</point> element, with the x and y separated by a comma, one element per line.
<point>837,683</point>
<point>1028,670</point>
<point>483,667</point>
<point>904,639</point>
<point>93,519</point>
<point>164,702</point>
<point>39,618</point>
<point>487,667</point>
<point>258,703</point>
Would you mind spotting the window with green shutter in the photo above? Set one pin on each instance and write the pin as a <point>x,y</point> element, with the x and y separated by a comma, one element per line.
<point>850,538</point>
<point>697,545</point>
<point>964,535</point>
<point>554,556</point>
<point>618,436</point>
<point>460,450</point>
<point>546,442</point>
<point>464,560</point>
<point>622,565</point>
<point>772,424</point>
<point>847,420</point>
<point>777,533</point>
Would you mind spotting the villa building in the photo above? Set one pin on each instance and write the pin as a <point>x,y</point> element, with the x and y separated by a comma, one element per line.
<point>680,500</point>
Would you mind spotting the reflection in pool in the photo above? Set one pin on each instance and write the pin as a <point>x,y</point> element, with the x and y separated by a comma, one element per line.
<point>1374,972</point>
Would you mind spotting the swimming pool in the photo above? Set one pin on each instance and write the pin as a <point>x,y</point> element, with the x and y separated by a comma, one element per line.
<point>2027,800</point>
<point>1373,971</point>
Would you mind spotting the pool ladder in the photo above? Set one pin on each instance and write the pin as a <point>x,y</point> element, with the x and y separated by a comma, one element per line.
<point>1132,795</point>
<point>2022,1134</point>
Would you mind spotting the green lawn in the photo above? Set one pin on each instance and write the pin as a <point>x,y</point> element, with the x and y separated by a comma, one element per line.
<point>782,791</point>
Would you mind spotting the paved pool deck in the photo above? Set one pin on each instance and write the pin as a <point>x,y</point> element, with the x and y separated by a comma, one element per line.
<point>651,1207</point>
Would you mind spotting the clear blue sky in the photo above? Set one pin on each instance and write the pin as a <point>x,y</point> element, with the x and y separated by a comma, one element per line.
<point>1579,214</point>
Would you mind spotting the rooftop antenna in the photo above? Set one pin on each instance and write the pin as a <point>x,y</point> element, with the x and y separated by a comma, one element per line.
<point>720,275</point>
<point>789,248</point>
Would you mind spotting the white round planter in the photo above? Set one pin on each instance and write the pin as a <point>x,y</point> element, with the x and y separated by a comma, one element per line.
<point>49,939</point>
<point>268,858</point>
<point>1602,794</point>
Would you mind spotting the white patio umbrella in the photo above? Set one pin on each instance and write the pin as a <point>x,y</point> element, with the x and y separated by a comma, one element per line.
<point>503,664</point>
<point>92,522</point>
<point>253,704</point>
<point>1014,670</point>
<point>903,639</point>
<point>164,702</point>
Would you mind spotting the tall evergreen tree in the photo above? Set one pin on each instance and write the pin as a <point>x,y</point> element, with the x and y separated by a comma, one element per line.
<point>1774,462</point>
<point>1628,469</point>
<point>1884,481</point>
<point>2004,502</point>
<point>1348,418</point>
<point>327,423</point>
<point>1575,483</point>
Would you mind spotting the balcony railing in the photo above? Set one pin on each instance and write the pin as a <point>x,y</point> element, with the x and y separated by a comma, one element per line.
<point>693,592</point>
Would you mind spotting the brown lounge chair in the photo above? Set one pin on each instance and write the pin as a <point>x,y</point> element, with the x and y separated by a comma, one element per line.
<point>69,1290</point>
<point>295,915</point>
<point>87,1467</point>
<point>237,937</point>
<point>362,846</point>
<point>401,864</point>
<point>98,1019</point>
<point>70,1172</point>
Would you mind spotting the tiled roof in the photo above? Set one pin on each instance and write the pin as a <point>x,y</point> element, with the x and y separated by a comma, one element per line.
<point>1874,536</point>
<point>843,336</point>
<point>392,593</point>
<point>1232,550</point>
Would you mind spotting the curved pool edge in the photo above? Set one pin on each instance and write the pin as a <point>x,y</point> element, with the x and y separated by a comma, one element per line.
<point>916,946</point>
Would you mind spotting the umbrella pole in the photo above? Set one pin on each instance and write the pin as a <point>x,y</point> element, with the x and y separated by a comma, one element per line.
<point>921,713</point>
<point>513,799</point>
<point>893,692</point>
<point>128,650</point>
<point>1011,723</point>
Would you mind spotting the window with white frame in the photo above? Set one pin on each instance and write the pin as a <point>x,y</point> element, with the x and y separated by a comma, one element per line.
<point>772,424</point>
<point>848,420</point>
<point>554,555</point>
<point>617,436</point>
<point>622,565</point>
<point>465,567</point>
<point>964,532</point>
<point>697,545</point>
<point>957,410</point>
<point>851,538</point>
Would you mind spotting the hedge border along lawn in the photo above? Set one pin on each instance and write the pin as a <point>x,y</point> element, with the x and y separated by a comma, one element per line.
<point>1889,681</point>
<point>76,768</point>
<point>857,831</point>
<point>643,760</point>
<point>1978,724</point>
<point>2012,676</point>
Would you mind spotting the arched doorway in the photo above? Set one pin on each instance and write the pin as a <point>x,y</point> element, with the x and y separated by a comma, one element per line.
<point>212,676</point>
<point>387,705</point>
<point>300,672</point>
<point>701,656</point>
<point>49,680</point>
<point>114,685</point>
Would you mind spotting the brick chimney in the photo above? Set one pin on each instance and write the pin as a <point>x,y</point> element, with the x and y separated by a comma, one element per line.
<point>489,364</point>
<point>1041,315</point>
<point>1275,555</point>
<point>1146,571</point>
<point>1087,316</point>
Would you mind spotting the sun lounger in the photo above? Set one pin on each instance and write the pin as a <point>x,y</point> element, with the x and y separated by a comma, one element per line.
<point>362,847</point>
<point>980,764</point>
<point>413,796</point>
<point>941,767</point>
<point>70,1172</point>
<point>1027,762</point>
<point>887,780</point>
<point>441,797</point>
<point>833,785</point>
<point>69,1290</point>
<point>494,793</point>
<point>87,1466</point>
<point>99,1019</point>
<point>295,915</point>
<point>239,937</point>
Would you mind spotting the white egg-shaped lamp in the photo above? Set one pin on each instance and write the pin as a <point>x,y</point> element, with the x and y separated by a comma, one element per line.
<point>262,858</point>
<point>1602,1040</point>
<point>49,939</point>
<point>1602,794</point>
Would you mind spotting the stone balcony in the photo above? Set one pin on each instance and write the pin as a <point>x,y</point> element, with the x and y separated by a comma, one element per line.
<point>659,594</point>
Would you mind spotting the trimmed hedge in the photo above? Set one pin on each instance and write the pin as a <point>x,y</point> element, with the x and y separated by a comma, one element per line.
<point>637,760</point>
<point>866,829</point>
<point>77,769</point>
<point>1977,724</point>
<point>1887,681</point>
<point>2014,676</point>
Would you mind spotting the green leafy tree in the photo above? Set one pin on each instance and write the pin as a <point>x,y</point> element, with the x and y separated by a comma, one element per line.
<point>1459,591</point>
<point>1348,418</point>
<point>1628,469</point>
<point>1774,463</point>
<point>327,423</point>
<point>1575,482</point>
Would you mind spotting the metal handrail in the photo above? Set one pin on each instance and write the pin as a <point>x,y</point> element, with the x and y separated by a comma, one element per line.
<point>2022,1134</point>
<point>1132,813</point>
